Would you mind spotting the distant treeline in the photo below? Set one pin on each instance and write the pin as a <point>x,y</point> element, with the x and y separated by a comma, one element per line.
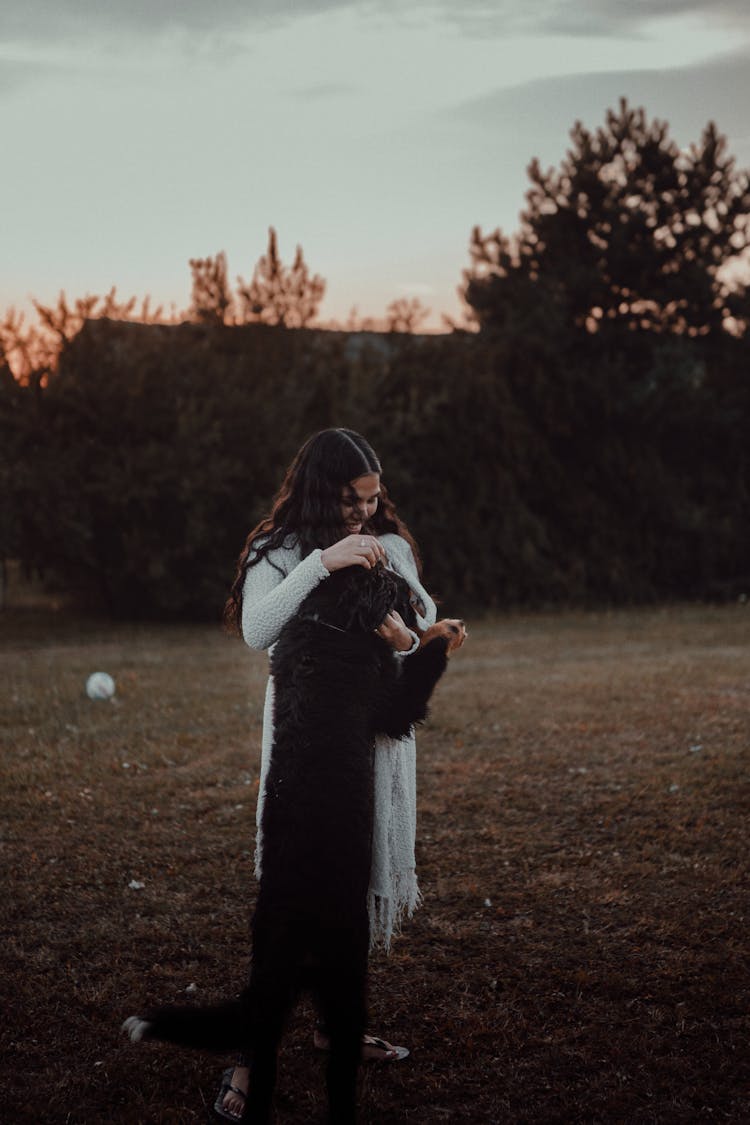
<point>529,476</point>
<point>586,442</point>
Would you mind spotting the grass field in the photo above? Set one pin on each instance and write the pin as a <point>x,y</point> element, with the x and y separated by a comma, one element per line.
<point>582,953</point>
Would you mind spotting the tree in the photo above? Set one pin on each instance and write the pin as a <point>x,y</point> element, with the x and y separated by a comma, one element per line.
<point>211,300</point>
<point>32,351</point>
<point>277,294</point>
<point>406,314</point>
<point>631,232</point>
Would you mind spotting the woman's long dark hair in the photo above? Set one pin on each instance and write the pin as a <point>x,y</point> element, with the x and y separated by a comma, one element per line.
<point>306,511</point>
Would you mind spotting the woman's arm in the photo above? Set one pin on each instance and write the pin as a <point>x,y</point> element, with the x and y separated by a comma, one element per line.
<point>270,598</point>
<point>401,558</point>
<point>403,640</point>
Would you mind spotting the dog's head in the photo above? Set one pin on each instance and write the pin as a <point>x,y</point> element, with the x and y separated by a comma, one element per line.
<point>359,600</point>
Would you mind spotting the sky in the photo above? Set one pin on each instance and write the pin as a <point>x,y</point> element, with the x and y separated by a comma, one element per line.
<point>137,135</point>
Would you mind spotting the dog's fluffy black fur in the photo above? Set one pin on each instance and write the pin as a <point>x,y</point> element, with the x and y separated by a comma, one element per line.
<point>337,684</point>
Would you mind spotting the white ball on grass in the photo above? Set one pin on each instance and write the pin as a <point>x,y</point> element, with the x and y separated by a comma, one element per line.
<point>100,685</point>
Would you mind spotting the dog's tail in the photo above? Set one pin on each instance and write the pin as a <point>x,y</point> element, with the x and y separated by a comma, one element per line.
<point>219,1028</point>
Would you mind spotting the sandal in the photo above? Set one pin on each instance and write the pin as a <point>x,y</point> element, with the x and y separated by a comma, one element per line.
<point>390,1053</point>
<point>372,1041</point>
<point>227,1088</point>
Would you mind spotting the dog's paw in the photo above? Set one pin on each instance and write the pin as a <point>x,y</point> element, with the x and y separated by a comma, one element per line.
<point>136,1028</point>
<point>453,630</point>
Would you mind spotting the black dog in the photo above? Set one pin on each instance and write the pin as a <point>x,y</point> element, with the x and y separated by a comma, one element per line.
<point>337,684</point>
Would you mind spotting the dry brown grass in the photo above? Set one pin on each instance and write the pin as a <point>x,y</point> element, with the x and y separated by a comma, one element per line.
<point>582,952</point>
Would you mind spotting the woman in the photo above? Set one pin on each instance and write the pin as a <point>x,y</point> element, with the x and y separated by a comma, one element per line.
<point>333,511</point>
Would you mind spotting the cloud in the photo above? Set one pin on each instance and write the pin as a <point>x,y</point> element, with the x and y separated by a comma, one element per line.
<point>606,17</point>
<point>14,75</point>
<point>53,21</point>
<point>616,17</point>
<point>49,20</point>
<point>687,97</point>
<point>584,18</point>
<point>322,90</point>
<point>415,289</point>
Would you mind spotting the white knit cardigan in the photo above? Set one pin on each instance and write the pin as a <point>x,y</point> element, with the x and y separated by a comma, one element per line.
<point>270,597</point>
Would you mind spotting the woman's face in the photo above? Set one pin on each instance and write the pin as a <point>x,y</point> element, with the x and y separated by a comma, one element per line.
<point>359,502</point>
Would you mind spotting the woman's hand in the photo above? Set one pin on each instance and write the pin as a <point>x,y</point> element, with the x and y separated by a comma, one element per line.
<point>394,631</point>
<point>354,550</point>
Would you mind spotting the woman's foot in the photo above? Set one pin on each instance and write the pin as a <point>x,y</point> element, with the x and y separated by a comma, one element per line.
<point>373,1048</point>
<point>234,1084</point>
<point>231,1100</point>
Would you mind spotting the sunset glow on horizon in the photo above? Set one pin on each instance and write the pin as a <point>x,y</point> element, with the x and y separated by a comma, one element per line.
<point>372,137</point>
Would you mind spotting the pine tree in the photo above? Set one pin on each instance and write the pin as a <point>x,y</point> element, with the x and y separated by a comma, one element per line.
<point>281,295</point>
<point>211,300</point>
<point>631,232</point>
